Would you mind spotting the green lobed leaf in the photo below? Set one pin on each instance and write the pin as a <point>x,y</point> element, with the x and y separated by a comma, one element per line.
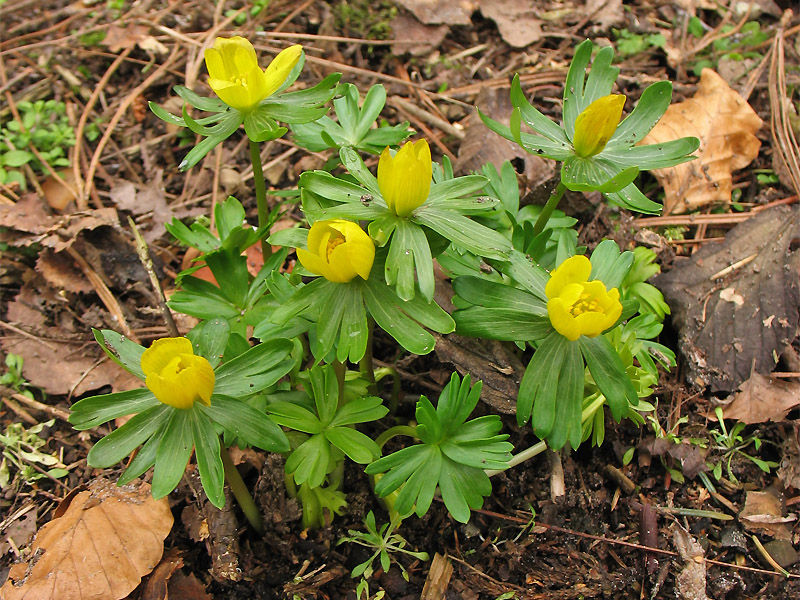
<point>464,232</point>
<point>652,105</point>
<point>538,389</point>
<point>309,462</point>
<point>609,265</point>
<point>357,446</point>
<point>96,410</point>
<point>257,369</point>
<point>207,452</point>
<point>356,167</point>
<point>121,350</point>
<point>633,199</point>
<point>244,421</point>
<point>535,119</point>
<point>409,253</point>
<point>198,101</point>
<point>118,444</point>
<point>145,458</point>
<point>173,454</point>
<point>609,374</point>
<point>294,416</point>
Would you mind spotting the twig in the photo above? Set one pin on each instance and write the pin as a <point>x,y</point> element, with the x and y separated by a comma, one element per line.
<point>147,262</point>
<point>53,411</point>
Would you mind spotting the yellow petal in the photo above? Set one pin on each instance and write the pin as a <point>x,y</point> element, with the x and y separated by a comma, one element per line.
<point>592,324</point>
<point>596,124</point>
<point>312,262</point>
<point>338,250</point>
<point>341,269</point>
<point>163,351</point>
<point>561,319</point>
<point>279,69</point>
<point>575,269</point>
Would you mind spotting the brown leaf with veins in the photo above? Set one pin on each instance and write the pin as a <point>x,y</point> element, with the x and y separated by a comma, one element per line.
<point>516,20</point>
<point>763,398</point>
<point>435,12</point>
<point>99,549</point>
<point>726,126</point>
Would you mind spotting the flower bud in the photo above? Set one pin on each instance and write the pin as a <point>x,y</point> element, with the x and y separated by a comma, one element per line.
<point>596,124</point>
<point>405,178</point>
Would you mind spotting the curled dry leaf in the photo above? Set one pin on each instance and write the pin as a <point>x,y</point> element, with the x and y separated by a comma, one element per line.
<point>762,398</point>
<point>690,584</point>
<point>99,549</point>
<point>763,513</point>
<point>726,126</point>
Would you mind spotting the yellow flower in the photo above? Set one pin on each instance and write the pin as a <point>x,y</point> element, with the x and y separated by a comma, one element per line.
<point>596,124</point>
<point>235,76</point>
<point>175,375</point>
<point>338,250</point>
<point>405,178</point>
<point>577,306</point>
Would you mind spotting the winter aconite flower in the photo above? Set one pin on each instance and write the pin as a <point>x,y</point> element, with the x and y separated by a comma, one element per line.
<point>236,78</point>
<point>338,250</point>
<point>577,306</point>
<point>405,178</point>
<point>596,124</point>
<point>175,375</point>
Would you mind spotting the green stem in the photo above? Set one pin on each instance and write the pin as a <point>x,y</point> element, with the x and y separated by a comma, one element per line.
<point>548,209</point>
<point>526,454</point>
<point>395,399</point>
<point>394,431</point>
<point>241,493</point>
<point>261,197</point>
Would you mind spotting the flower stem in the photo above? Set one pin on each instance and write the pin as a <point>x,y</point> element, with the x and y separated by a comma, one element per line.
<point>340,369</point>
<point>241,493</point>
<point>261,197</point>
<point>396,430</point>
<point>534,450</point>
<point>548,209</point>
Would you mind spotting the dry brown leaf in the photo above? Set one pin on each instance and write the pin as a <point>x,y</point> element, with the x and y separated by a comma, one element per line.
<point>516,20</point>
<point>726,126</point>
<point>120,38</point>
<point>435,12</point>
<point>763,512</point>
<point>99,549</point>
<point>416,38</point>
<point>29,223</point>
<point>763,398</point>
<point>143,199</point>
<point>59,194</point>
<point>605,14</point>
<point>736,304</point>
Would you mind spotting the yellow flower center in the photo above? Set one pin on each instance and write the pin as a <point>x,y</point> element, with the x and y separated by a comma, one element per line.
<point>339,250</point>
<point>585,304</point>
<point>175,375</point>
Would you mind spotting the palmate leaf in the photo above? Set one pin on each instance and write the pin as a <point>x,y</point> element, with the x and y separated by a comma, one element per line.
<point>453,455</point>
<point>96,410</point>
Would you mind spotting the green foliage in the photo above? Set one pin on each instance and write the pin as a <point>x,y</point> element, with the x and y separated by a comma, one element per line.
<point>384,542</point>
<point>409,264</point>
<point>167,436</point>
<point>23,450</point>
<point>13,377</point>
<point>329,428</point>
<point>354,128</point>
<point>732,443</point>
<point>44,125</point>
<point>735,46</point>
<point>611,171</point>
<point>367,19</point>
<point>261,124</point>
<point>630,44</point>
<point>452,455</point>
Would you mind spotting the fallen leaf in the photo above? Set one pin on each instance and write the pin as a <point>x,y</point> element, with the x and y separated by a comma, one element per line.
<point>120,38</point>
<point>725,341</point>
<point>187,587</point>
<point>156,585</point>
<point>690,583</point>
<point>604,14</point>
<point>106,541</point>
<point>763,398</point>
<point>763,513</point>
<point>61,272</point>
<point>789,471</point>
<point>691,459</point>
<point>19,532</point>
<point>726,126</point>
<point>435,12</point>
<point>414,37</point>
<point>59,194</point>
<point>149,198</point>
<point>29,223</point>
<point>516,20</point>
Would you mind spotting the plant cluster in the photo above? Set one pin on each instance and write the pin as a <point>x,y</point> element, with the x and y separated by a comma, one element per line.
<point>307,388</point>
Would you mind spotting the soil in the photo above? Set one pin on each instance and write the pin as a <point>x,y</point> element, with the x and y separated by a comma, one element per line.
<point>611,534</point>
